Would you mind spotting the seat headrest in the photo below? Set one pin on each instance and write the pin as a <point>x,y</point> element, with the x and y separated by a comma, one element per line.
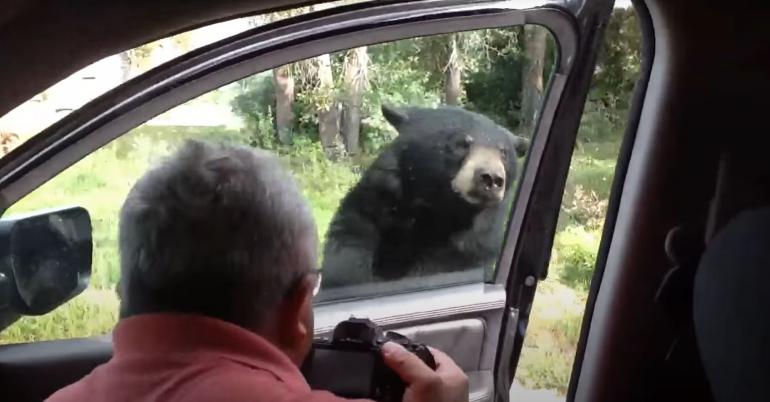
<point>731,309</point>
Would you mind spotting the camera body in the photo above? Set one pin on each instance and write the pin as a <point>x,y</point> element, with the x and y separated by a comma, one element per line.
<point>350,364</point>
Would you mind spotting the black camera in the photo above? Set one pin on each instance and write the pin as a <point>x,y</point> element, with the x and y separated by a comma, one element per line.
<point>350,364</point>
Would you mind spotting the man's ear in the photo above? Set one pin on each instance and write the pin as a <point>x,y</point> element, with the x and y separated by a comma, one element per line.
<point>293,308</point>
<point>293,322</point>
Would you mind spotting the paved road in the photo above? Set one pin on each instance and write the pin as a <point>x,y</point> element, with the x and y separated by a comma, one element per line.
<point>521,394</point>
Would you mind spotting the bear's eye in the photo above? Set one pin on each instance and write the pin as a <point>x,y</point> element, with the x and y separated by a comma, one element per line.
<point>467,140</point>
<point>465,143</point>
<point>503,151</point>
<point>461,146</point>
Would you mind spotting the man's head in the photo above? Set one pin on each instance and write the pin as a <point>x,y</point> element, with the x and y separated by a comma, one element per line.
<point>221,231</point>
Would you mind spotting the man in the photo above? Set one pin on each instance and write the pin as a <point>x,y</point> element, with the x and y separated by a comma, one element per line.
<point>218,250</point>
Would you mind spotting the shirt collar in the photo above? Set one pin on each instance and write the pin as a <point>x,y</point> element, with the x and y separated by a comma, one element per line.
<point>162,334</point>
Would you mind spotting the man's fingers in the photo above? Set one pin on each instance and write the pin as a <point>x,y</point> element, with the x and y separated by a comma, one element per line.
<point>439,356</point>
<point>447,368</point>
<point>406,364</point>
<point>443,361</point>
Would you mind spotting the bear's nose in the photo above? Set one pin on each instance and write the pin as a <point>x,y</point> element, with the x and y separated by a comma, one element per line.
<point>491,181</point>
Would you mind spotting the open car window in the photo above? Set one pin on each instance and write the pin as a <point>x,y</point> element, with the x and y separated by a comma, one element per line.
<point>350,125</point>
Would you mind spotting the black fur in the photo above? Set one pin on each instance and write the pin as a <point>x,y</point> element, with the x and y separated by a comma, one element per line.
<point>403,218</point>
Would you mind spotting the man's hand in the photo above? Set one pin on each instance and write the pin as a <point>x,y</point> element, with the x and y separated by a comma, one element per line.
<point>447,383</point>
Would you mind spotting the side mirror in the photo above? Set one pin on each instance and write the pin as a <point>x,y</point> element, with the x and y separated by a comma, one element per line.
<point>45,260</point>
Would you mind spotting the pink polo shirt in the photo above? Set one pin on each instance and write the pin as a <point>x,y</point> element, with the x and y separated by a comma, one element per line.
<point>176,357</point>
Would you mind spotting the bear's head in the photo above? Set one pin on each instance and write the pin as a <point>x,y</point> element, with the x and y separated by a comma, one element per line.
<point>451,153</point>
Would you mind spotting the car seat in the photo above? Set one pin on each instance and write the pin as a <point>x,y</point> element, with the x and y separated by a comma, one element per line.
<point>731,309</point>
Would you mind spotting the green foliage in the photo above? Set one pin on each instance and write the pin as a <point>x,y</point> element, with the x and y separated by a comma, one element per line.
<point>496,92</point>
<point>394,81</point>
<point>574,256</point>
<point>256,96</point>
<point>600,123</point>
<point>494,87</point>
<point>260,131</point>
<point>254,104</point>
<point>619,61</point>
<point>323,182</point>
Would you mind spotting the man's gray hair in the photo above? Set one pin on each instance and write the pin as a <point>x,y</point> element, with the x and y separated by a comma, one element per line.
<point>219,230</point>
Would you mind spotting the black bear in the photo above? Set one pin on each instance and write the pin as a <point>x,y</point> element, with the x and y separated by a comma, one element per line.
<point>435,200</point>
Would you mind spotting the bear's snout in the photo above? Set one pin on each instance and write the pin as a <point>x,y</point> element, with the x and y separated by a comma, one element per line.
<point>489,180</point>
<point>481,179</point>
<point>489,183</point>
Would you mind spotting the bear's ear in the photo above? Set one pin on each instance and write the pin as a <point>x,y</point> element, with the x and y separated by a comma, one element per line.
<point>395,116</point>
<point>521,145</point>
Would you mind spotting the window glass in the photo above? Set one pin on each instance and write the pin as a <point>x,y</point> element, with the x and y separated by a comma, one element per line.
<point>337,120</point>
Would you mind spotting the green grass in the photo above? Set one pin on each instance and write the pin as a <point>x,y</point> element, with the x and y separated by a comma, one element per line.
<point>557,313</point>
<point>101,182</point>
<point>574,255</point>
<point>549,348</point>
<point>93,312</point>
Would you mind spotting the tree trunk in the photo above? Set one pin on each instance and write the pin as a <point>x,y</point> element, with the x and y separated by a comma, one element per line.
<point>453,74</point>
<point>328,112</point>
<point>284,103</point>
<point>355,70</point>
<point>532,87</point>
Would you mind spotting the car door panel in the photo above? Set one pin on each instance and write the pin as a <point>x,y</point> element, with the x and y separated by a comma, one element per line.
<point>462,339</point>
<point>65,361</point>
<point>33,371</point>
<point>463,321</point>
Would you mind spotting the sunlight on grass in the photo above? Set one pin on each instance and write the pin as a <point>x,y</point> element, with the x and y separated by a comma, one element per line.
<point>94,312</point>
<point>549,348</point>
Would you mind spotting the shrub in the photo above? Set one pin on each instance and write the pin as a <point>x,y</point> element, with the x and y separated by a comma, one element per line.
<point>255,96</point>
<point>574,256</point>
<point>323,182</point>
<point>259,131</point>
<point>586,208</point>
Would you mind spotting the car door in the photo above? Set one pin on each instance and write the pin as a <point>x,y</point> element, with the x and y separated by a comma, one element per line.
<point>478,315</point>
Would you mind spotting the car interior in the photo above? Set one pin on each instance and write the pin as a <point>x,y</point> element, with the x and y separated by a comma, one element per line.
<point>676,306</point>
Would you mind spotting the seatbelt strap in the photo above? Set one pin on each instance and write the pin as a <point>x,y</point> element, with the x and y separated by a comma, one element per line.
<point>684,247</point>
